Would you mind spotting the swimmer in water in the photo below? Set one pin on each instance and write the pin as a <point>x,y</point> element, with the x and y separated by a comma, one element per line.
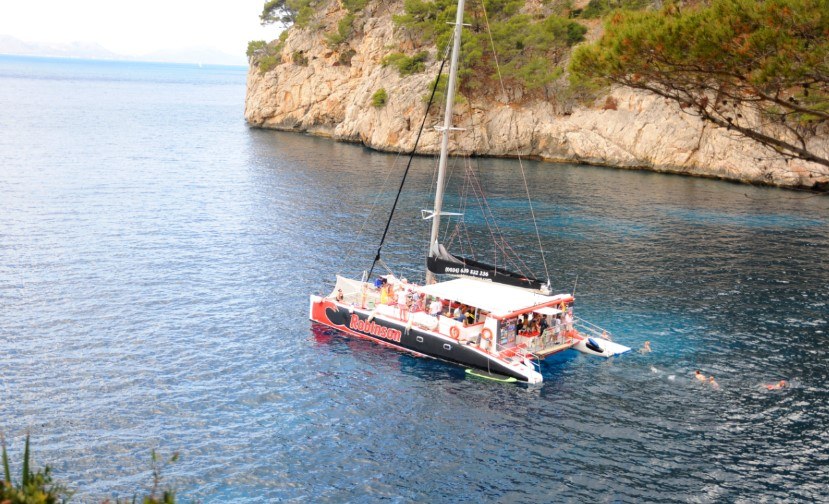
<point>646,348</point>
<point>713,383</point>
<point>699,376</point>
<point>776,386</point>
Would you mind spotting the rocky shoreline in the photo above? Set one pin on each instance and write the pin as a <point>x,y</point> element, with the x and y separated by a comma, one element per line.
<point>322,95</point>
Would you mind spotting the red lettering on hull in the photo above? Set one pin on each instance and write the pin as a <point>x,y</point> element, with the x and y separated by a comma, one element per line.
<point>374,329</point>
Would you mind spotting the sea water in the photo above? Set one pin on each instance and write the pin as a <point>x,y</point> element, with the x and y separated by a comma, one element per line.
<point>156,257</point>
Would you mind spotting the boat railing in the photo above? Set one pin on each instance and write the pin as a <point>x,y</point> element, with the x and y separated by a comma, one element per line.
<point>591,329</point>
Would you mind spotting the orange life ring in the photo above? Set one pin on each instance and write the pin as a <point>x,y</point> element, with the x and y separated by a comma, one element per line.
<point>454,332</point>
<point>486,334</point>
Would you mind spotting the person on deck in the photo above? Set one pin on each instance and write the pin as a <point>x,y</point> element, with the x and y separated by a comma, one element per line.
<point>543,325</point>
<point>402,304</point>
<point>469,315</point>
<point>435,307</point>
<point>417,302</point>
<point>340,296</point>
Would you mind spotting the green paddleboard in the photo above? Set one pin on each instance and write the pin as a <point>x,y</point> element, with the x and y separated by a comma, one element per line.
<point>490,376</point>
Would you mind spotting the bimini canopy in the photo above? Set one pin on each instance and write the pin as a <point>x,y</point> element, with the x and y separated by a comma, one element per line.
<point>498,299</point>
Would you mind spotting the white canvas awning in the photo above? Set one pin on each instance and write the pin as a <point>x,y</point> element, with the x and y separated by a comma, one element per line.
<point>547,310</point>
<point>498,299</point>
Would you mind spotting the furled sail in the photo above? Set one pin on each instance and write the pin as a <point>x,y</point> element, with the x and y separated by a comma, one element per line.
<point>444,263</point>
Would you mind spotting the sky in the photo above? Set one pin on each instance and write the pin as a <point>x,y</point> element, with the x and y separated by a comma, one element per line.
<point>140,27</point>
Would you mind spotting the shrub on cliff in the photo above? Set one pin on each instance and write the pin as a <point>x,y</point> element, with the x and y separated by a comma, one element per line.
<point>599,8</point>
<point>407,65</point>
<point>379,98</point>
<point>288,12</point>
<point>299,58</point>
<point>255,45</point>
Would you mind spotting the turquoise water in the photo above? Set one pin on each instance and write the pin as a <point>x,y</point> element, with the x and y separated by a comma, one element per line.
<point>155,261</point>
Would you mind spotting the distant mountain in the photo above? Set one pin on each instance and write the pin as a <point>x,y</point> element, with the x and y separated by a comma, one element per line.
<point>91,50</point>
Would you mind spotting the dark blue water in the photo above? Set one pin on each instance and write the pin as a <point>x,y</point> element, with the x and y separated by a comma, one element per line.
<point>155,261</point>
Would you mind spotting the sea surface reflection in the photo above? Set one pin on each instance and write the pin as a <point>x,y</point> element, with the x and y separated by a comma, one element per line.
<point>156,257</point>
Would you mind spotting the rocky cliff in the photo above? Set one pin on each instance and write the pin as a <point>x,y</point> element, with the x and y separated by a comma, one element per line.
<point>328,91</point>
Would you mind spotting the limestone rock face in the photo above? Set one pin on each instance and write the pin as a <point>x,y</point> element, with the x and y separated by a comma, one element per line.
<point>319,89</point>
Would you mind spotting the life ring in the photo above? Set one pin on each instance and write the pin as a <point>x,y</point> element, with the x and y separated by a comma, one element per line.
<point>454,332</point>
<point>486,334</point>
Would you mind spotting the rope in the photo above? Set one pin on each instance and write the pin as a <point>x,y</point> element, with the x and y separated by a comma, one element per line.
<point>520,162</point>
<point>406,172</point>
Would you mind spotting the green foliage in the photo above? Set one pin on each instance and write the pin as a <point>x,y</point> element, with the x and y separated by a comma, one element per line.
<point>344,29</point>
<point>255,45</point>
<point>440,91</point>
<point>598,8</point>
<point>354,5</point>
<point>288,12</point>
<point>266,58</point>
<point>299,58</point>
<point>529,49</point>
<point>33,487</point>
<point>157,495</point>
<point>429,21</point>
<point>722,58</point>
<point>38,488</point>
<point>407,65</point>
<point>379,98</point>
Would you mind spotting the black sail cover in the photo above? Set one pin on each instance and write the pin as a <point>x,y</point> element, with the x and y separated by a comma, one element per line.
<point>444,263</point>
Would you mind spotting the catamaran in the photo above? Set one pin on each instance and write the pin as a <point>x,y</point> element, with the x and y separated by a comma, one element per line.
<point>496,323</point>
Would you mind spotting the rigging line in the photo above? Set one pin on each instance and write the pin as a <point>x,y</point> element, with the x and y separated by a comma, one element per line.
<point>353,246</point>
<point>511,259</point>
<point>488,215</point>
<point>509,254</point>
<point>408,166</point>
<point>520,162</point>
<point>450,172</point>
<point>497,235</point>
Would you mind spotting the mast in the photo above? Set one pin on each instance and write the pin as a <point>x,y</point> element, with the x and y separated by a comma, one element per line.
<point>444,142</point>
